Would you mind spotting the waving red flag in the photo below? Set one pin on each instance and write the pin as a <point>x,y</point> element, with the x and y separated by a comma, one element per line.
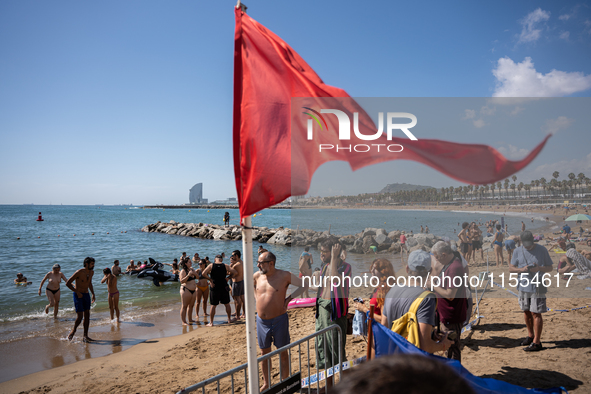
<point>272,158</point>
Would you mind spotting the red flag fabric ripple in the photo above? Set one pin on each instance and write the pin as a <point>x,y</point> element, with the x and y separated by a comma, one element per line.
<point>271,164</point>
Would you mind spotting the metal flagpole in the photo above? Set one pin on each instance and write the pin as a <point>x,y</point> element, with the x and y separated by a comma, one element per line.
<point>251,336</point>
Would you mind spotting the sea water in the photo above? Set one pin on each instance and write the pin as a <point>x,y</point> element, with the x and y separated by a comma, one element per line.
<point>68,234</point>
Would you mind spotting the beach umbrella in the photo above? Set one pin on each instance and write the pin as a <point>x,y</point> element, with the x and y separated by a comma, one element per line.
<point>578,216</point>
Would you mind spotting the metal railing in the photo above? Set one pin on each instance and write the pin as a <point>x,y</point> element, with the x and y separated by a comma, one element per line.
<point>330,369</point>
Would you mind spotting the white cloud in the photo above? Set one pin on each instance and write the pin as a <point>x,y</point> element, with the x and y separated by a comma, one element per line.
<point>522,80</point>
<point>565,167</point>
<point>470,114</point>
<point>517,110</point>
<point>512,152</point>
<point>486,110</point>
<point>479,123</point>
<point>564,35</point>
<point>552,126</point>
<point>529,33</point>
<point>564,17</point>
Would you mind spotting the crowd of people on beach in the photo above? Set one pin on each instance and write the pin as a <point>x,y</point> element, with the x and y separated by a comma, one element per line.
<point>439,306</point>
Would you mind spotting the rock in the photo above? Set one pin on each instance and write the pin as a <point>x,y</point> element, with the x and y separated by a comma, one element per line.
<point>357,246</point>
<point>425,239</point>
<point>410,242</point>
<point>347,240</point>
<point>263,240</point>
<point>218,234</point>
<point>394,248</point>
<point>281,237</point>
<point>368,241</point>
<point>382,239</point>
<point>368,231</point>
<point>394,235</point>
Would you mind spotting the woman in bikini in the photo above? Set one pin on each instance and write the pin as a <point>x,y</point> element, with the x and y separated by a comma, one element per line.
<point>52,291</point>
<point>188,290</point>
<point>113,292</point>
<point>498,245</point>
<point>202,289</point>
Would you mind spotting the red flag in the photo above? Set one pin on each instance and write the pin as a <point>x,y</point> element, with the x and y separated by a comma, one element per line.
<point>271,164</point>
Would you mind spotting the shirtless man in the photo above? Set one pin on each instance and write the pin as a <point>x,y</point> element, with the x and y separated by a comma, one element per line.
<point>238,283</point>
<point>131,267</point>
<point>115,269</point>
<point>270,289</point>
<point>52,291</point>
<point>465,242</point>
<point>82,301</point>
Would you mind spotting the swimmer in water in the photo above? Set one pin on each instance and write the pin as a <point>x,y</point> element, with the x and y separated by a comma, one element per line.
<point>111,280</point>
<point>52,291</point>
<point>21,279</point>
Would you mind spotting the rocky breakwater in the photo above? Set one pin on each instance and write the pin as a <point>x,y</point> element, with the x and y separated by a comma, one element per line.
<point>384,242</point>
<point>276,236</point>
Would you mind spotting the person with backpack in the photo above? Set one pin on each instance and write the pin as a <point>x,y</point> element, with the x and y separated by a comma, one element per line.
<point>410,310</point>
<point>452,303</point>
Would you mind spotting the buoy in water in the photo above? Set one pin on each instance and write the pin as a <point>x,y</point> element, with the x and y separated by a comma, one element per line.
<point>38,237</point>
<point>74,235</point>
<point>39,219</point>
<point>18,237</point>
<point>107,233</point>
<point>92,233</point>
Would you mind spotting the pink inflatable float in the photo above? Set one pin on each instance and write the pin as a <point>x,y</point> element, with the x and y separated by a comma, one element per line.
<point>301,303</point>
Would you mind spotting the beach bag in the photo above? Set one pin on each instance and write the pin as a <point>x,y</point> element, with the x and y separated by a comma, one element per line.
<point>407,325</point>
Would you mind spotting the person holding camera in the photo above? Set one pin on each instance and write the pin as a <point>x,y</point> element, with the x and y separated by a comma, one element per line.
<point>531,260</point>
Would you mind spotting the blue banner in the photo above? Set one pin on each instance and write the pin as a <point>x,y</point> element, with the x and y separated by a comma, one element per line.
<point>388,342</point>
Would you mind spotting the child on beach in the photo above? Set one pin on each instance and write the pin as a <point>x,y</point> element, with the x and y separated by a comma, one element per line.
<point>113,292</point>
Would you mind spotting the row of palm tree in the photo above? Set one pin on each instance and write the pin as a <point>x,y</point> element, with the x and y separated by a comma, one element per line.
<point>540,187</point>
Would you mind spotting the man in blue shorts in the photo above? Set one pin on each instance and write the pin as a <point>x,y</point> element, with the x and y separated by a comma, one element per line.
<point>82,301</point>
<point>270,289</point>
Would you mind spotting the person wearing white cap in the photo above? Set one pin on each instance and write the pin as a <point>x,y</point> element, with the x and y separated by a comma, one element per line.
<point>531,260</point>
<point>400,298</point>
<point>52,291</point>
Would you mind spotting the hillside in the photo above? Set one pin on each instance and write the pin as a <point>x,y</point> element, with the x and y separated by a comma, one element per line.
<point>396,187</point>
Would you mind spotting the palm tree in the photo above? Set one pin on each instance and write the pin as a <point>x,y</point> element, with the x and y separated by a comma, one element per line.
<point>506,184</point>
<point>556,174</point>
<point>492,188</point>
<point>527,189</point>
<point>513,188</point>
<point>537,183</point>
<point>580,179</point>
<point>519,187</point>
<point>543,183</point>
<point>499,186</point>
<point>514,178</point>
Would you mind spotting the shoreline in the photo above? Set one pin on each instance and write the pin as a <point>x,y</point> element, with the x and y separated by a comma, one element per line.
<point>180,339</point>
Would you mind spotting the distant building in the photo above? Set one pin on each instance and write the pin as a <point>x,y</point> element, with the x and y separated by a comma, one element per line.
<point>196,195</point>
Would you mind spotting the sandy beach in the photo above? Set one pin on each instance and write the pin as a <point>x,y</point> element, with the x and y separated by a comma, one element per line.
<point>168,364</point>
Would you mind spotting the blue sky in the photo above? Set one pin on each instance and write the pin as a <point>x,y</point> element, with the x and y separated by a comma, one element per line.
<point>131,102</point>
